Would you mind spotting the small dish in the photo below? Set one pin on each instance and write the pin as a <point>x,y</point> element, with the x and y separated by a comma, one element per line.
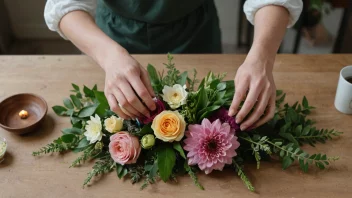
<point>3,147</point>
<point>11,106</point>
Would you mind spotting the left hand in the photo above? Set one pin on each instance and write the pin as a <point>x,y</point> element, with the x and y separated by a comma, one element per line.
<point>255,76</point>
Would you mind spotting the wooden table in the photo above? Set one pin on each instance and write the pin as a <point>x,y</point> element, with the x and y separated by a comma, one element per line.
<point>23,175</point>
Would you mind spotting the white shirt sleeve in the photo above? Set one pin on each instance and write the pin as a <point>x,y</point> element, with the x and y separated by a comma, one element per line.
<point>56,9</point>
<point>294,7</point>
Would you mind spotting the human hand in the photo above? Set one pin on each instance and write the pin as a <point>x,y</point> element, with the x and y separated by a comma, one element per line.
<point>126,84</point>
<point>254,76</point>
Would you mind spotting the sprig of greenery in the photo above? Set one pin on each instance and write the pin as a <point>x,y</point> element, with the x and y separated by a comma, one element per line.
<point>193,176</point>
<point>243,176</point>
<point>102,166</point>
<point>172,73</point>
<point>137,173</point>
<point>51,148</point>
<point>260,145</point>
<point>62,144</point>
<point>89,153</point>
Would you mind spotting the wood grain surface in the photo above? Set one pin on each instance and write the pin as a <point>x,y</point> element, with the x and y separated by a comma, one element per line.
<point>315,76</point>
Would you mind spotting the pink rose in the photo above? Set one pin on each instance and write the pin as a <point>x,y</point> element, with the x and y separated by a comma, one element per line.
<point>124,148</point>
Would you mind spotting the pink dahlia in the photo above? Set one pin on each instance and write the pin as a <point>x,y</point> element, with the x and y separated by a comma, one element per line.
<point>159,108</point>
<point>210,145</point>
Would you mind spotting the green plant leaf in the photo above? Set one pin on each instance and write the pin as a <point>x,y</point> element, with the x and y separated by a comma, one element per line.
<point>298,130</point>
<point>87,111</point>
<point>103,103</point>
<point>68,138</point>
<point>305,103</point>
<point>221,86</point>
<point>289,137</point>
<point>178,147</point>
<point>95,88</point>
<point>154,78</point>
<point>75,131</point>
<point>75,87</point>
<point>146,129</point>
<point>182,78</point>
<point>121,171</point>
<point>202,99</point>
<point>59,110</point>
<point>166,161</point>
<point>88,92</point>
<point>68,104</point>
<point>76,101</point>
<point>82,145</point>
<point>286,162</point>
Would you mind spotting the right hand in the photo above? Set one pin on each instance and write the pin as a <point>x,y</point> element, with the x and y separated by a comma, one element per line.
<point>125,78</point>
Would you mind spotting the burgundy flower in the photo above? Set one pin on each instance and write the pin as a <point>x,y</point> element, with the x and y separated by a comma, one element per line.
<point>223,115</point>
<point>159,108</point>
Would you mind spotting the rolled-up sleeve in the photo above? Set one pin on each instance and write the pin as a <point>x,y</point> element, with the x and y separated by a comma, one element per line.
<point>56,9</point>
<point>294,7</point>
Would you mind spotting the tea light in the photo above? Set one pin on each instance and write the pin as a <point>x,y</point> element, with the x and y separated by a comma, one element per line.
<point>23,114</point>
<point>3,147</point>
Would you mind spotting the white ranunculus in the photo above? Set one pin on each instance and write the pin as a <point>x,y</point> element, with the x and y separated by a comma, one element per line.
<point>175,96</point>
<point>93,129</point>
<point>113,124</point>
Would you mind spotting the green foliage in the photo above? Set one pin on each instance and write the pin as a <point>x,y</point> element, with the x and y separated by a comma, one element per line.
<point>137,173</point>
<point>89,153</point>
<point>57,146</point>
<point>243,176</point>
<point>166,162</point>
<point>101,166</point>
<point>121,170</point>
<point>193,176</point>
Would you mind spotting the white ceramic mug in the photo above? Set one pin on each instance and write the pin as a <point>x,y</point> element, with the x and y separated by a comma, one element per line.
<point>343,98</point>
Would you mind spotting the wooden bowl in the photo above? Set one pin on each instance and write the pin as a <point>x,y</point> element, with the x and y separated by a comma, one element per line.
<point>11,106</point>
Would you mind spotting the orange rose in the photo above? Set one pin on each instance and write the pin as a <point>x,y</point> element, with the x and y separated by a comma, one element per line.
<point>169,126</point>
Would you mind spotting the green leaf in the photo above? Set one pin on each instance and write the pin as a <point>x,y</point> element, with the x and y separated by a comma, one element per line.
<point>305,103</point>
<point>75,87</point>
<point>323,157</point>
<point>221,86</point>
<point>70,112</point>
<point>88,92</point>
<point>103,103</point>
<point>286,162</point>
<point>202,99</point>
<point>154,78</point>
<point>79,95</point>
<point>182,78</point>
<point>75,131</point>
<point>166,162</point>
<point>95,88</point>
<point>59,110</point>
<point>298,130</point>
<point>306,130</point>
<point>312,156</point>
<point>292,115</point>
<point>154,170</point>
<point>178,147</point>
<point>68,138</point>
<point>121,171</point>
<point>289,137</point>
<point>76,101</point>
<point>82,145</point>
<point>75,120</point>
<point>146,129</point>
<point>87,111</point>
<point>320,165</point>
<point>68,104</point>
<point>279,92</point>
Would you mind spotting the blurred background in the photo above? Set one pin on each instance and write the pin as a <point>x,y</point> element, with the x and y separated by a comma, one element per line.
<point>325,26</point>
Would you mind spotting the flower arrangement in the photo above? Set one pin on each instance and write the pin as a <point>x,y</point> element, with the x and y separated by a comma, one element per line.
<point>190,131</point>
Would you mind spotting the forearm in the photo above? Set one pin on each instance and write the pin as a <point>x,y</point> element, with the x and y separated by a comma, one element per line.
<point>80,28</point>
<point>269,29</point>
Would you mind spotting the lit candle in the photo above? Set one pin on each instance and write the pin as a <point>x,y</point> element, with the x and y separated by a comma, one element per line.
<point>3,146</point>
<point>23,114</point>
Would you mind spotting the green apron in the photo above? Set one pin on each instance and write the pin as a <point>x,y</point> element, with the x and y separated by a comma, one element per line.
<point>161,26</point>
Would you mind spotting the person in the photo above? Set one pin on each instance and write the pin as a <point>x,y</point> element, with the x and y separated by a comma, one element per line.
<point>110,30</point>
